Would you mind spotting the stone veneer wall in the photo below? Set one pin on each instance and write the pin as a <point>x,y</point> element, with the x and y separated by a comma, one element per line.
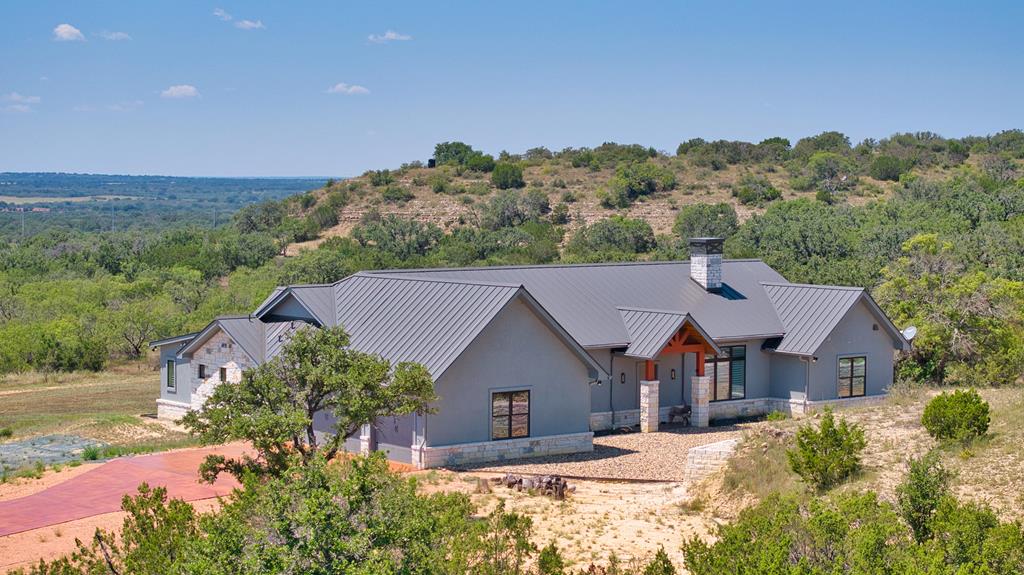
<point>704,460</point>
<point>172,410</point>
<point>218,351</point>
<point>700,397</point>
<point>601,421</point>
<point>706,270</point>
<point>649,413</point>
<point>424,457</point>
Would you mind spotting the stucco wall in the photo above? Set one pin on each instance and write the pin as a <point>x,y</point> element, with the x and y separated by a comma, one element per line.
<point>181,375</point>
<point>517,350</point>
<point>788,375</point>
<point>854,336</point>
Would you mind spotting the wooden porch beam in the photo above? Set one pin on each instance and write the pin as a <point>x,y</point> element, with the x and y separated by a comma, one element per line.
<point>649,370</point>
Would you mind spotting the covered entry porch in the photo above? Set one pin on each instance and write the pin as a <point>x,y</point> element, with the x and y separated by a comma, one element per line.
<point>663,341</point>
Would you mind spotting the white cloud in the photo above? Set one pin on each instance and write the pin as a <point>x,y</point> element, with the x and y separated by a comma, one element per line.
<point>44,78</point>
<point>220,13</point>
<point>249,24</point>
<point>127,106</point>
<point>17,108</point>
<point>389,36</point>
<point>115,36</point>
<point>67,33</point>
<point>180,91</point>
<point>347,89</point>
<point>83,108</point>
<point>20,99</point>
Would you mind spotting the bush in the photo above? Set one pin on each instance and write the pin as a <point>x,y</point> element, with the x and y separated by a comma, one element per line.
<point>959,415</point>
<point>507,175</point>
<point>826,456</point>
<point>550,561</point>
<point>438,183</point>
<point>920,493</point>
<point>886,168</point>
<point>756,190</point>
<point>6,433</point>
<point>91,453</point>
<point>381,178</point>
<point>636,180</point>
<point>396,194</point>
<point>660,565</point>
<point>560,214</point>
<point>480,162</point>
<point>615,234</point>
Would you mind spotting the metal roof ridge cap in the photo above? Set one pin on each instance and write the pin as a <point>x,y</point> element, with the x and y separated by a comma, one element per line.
<point>541,266</point>
<point>652,310</point>
<point>815,286</point>
<point>439,280</point>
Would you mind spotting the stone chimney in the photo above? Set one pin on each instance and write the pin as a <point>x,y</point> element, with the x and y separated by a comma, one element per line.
<point>706,262</point>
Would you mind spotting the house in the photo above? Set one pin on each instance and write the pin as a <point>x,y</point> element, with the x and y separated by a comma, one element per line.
<point>531,360</point>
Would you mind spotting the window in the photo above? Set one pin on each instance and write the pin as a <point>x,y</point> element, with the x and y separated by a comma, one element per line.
<point>171,386</point>
<point>223,374</point>
<point>510,414</point>
<point>853,373</point>
<point>728,373</point>
<point>202,371</point>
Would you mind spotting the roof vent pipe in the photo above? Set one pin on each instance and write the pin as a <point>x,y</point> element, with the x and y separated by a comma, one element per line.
<point>706,262</point>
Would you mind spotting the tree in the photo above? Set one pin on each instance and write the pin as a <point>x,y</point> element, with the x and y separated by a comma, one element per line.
<point>886,168</point>
<point>138,322</point>
<point>614,234</point>
<point>635,180</point>
<point>274,404</point>
<point>507,175</point>
<point>402,238</point>
<point>456,153</point>
<point>918,496</point>
<point>706,220</point>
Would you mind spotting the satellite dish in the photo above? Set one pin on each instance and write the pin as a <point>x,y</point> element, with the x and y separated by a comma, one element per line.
<point>909,333</point>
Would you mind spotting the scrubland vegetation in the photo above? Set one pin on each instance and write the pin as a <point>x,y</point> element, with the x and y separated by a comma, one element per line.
<point>933,227</point>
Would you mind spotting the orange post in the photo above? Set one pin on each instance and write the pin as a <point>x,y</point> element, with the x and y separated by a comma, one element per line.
<point>649,370</point>
<point>700,363</point>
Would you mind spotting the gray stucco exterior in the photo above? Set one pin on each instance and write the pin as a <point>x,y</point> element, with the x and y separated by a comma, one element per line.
<point>858,334</point>
<point>517,351</point>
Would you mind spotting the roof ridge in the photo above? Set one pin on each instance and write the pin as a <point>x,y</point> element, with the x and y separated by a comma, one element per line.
<point>437,280</point>
<point>544,266</point>
<point>247,316</point>
<point>651,310</point>
<point>814,286</point>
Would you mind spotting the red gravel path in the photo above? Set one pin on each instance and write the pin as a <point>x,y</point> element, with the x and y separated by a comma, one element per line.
<point>100,490</point>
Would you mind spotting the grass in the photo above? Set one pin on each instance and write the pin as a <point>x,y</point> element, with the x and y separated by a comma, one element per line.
<point>106,406</point>
<point>988,469</point>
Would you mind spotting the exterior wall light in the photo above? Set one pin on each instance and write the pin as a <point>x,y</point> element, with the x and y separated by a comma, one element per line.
<point>622,377</point>
<point>673,374</point>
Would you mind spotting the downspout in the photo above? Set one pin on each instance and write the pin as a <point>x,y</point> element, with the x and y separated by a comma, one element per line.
<point>611,387</point>
<point>807,381</point>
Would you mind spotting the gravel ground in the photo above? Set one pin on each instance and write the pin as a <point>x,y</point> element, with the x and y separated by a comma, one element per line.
<point>659,456</point>
<point>48,449</point>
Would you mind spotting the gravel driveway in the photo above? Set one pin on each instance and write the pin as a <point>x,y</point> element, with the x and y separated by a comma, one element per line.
<point>659,456</point>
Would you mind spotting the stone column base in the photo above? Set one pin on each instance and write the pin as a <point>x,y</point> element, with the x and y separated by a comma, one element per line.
<point>365,439</point>
<point>700,400</point>
<point>649,412</point>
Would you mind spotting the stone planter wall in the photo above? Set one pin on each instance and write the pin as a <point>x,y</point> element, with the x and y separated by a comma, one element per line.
<point>425,457</point>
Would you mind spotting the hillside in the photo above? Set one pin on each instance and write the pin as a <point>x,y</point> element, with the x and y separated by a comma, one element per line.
<point>703,172</point>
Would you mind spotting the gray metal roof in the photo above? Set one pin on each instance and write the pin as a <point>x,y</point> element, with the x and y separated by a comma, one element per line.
<point>651,329</point>
<point>809,313</point>
<point>428,322</point>
<point>318,299</point>
<point>248,332</point>
<point>585,298</point>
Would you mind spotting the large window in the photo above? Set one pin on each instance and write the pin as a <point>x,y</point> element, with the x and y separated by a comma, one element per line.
<point>510,414</point>
<point>202,371</point>
<point>728,373</point>
<point>853,373</point>
<point>223,374</point>
<point>171,386</point>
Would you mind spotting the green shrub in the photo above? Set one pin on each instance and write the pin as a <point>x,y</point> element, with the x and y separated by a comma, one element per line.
<point>438,183</point>
<point>396,194</point>
<point>550,561</point>
<point>560,214</point>
<point>755,190</point>
<point>959,415</point>
<point>91,453</point>
<point>6,433</point>
<point>886,168</point>
<point>507,175</point>
<point>660,565</point>
<point>381,178</point>
<point>636,180</point>
<point>777,416</point>
<point>706,220</point>
<point>480,162</point>
<point>827,455</point>
<point>918,496</point>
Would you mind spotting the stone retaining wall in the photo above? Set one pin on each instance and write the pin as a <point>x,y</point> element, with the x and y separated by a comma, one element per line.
<point>425,457</point>
<point>704,460</point>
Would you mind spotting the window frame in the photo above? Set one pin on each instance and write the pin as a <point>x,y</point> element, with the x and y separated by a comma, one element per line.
<point>711,368</point>
<point>511,412</point>
<point>170,378</point>
<point>202,371</point>
<point>851,378</point>
<point>223,373</point>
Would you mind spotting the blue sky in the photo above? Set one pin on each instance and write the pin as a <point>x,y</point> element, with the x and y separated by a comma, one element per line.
<point>301,88</point>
